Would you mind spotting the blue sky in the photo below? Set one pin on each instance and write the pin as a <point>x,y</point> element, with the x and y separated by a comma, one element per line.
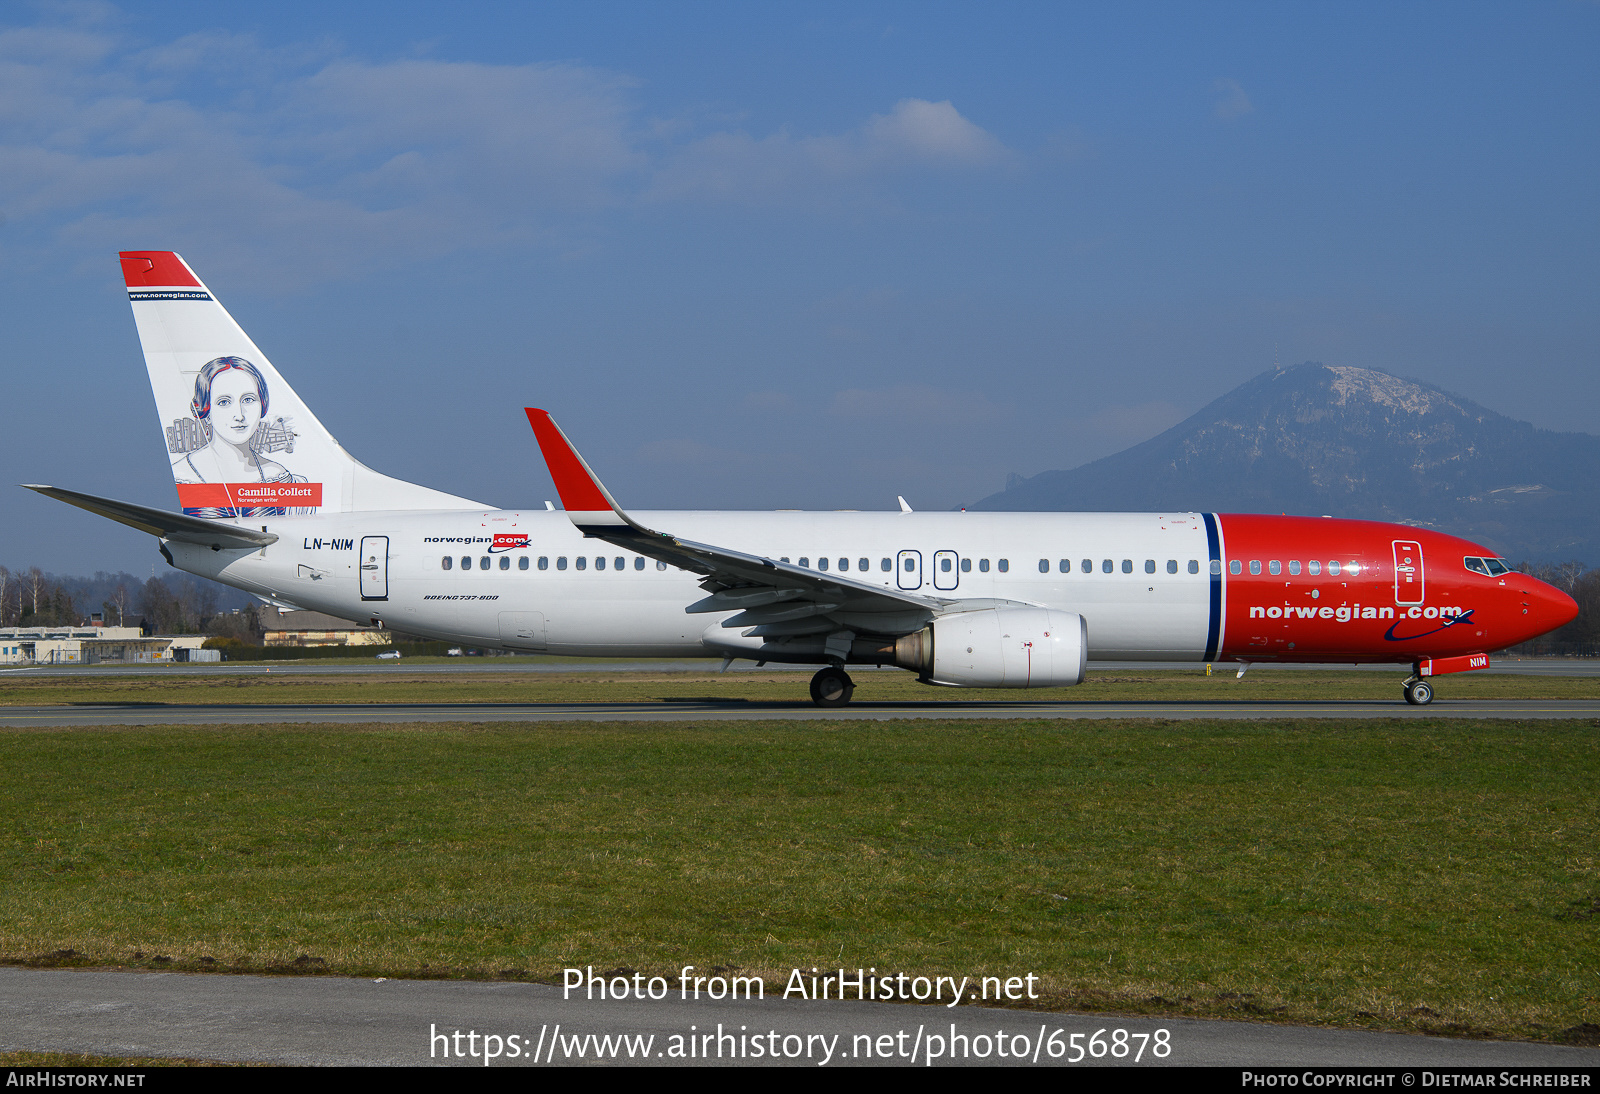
<point>770,255</point>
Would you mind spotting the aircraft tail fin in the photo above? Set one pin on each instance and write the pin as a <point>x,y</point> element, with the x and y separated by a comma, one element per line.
<point>241,442</point>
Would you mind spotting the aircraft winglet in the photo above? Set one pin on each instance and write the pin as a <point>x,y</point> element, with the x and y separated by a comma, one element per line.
<point>583,496</point>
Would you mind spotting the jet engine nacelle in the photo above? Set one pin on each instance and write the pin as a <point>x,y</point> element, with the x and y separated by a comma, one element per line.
<point>999,648</point>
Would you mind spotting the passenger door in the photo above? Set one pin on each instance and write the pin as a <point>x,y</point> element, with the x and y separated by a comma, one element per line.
<point>1408,576</point>
<point>374,567</point>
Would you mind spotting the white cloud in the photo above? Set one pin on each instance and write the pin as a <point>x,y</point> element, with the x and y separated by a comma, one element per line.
<point>312,163</point>
<point>916,134</point>
<point>546,134</point>
<point>55,44</point>
<point>932,132</point>
<point>310,169</point>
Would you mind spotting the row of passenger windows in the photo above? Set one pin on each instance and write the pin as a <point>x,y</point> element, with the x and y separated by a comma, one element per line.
<point>1003,565</point>
<point>1491,566</point>
<point>1313,567</point>
<point>581,562</point>
<point>1109,566</point>
<point>487,562</point>
<point>910,564</point>
<point>862,564</point>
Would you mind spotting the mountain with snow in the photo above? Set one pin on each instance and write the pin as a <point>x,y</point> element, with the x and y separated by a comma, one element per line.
<point>1351,442</point>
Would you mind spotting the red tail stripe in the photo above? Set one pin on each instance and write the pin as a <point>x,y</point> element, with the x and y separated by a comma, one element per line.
<point>145,269</point>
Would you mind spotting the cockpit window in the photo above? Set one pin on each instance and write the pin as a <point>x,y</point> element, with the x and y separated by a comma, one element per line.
<point>1492,567</point>
<point>1478,565</point>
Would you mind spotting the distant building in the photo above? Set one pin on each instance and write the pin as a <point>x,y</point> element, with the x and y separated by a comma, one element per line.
<point>303,628</point>
<point>86,645</point>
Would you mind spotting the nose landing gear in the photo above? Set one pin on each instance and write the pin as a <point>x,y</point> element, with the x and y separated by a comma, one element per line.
<point>832,687</point>
<point>1419,693</point>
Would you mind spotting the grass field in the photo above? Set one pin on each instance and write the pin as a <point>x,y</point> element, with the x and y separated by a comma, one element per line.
<point>1428,875</point>
<point>398,686</point>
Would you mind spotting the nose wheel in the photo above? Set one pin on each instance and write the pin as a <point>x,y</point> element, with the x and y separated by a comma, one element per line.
<point>832,687</point>
<point>1419,693</point>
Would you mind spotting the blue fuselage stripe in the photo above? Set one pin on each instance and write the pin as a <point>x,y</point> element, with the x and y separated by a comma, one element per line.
<point>1214,547</point>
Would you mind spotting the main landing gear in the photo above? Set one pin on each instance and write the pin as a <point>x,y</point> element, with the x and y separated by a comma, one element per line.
<point>1419,693</point>
<point>832,687</point>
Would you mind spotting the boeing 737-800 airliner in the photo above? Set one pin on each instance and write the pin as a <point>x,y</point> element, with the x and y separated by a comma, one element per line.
<point>273,505</point>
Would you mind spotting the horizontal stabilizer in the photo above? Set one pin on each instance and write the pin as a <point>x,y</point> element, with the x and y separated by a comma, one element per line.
<point>158,522</point>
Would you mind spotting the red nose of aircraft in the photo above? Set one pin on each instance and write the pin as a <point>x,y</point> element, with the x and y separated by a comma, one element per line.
<point>1544,607</point>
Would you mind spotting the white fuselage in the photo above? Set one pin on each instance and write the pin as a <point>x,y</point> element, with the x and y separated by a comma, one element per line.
<point>484,596</point>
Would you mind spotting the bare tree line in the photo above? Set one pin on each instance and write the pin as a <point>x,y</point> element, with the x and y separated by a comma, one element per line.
<point>178,604</point>
<point>31,594</point>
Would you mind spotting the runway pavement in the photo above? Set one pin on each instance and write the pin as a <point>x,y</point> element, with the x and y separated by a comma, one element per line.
<point>315,1020</point>
<point>701,710</point>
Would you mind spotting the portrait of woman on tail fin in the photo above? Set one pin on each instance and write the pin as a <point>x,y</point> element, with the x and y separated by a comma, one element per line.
<point>228,439</point>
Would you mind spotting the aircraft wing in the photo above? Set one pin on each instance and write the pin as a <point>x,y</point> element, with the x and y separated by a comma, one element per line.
<point>159,522</point>
<point>775,597</point>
